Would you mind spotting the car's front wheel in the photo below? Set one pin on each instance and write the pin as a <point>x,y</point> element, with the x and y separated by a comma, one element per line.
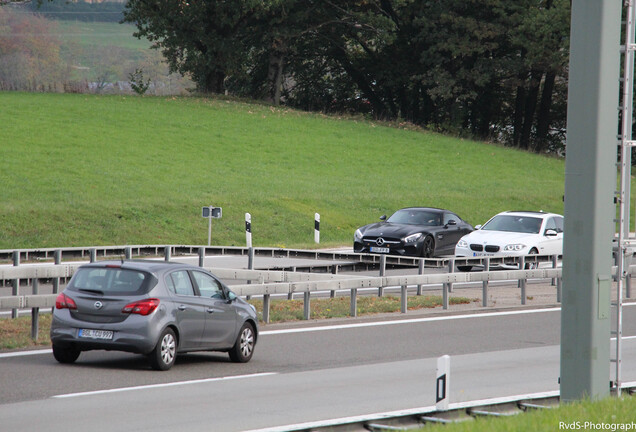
<point>428,248</point>
<point>165,352</point>
<point>65,354</point>
<point>243,348</point>
<point>532,265</point>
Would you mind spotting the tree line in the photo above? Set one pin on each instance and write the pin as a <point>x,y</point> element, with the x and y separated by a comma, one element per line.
<point>493,69</point>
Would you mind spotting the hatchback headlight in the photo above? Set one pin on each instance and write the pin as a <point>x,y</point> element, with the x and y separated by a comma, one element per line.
<point>514,247</point>
<point>413,238</point>
<point>462,243</point>
<point>357,236</point>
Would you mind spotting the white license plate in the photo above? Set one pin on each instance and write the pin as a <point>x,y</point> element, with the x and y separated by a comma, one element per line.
<point>483,254</point>
<point>96,334</point>
<point>379,250</point>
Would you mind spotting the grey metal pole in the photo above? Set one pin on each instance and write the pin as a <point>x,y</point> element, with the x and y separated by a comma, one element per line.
<point>266,307</point>
<point>306,305</point>
<point>404,296</point>
<point>16,282</point>
<point>353,308</point>
<point>35,313</point>
<point>589,191</point>
<point>523,282</point>
<point>382,273</point>
<point>484,288</point>
<point>201,257</point>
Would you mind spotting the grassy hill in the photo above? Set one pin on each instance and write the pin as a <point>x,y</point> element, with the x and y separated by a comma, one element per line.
<point>101,170</point>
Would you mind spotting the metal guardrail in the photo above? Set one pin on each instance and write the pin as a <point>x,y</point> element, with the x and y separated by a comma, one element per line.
<point>283,281</point>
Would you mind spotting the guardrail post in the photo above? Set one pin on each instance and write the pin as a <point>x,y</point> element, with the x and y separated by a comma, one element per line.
<point>306,305</point>
<point>522,282</point>
<point>628,284</point>
<point>484,293</point>
<point>15,282</point>
<point>445,296</point>
<point>201,257</point>
<point>555,262</point>
<point>334,270</point>
<point>128,252</point>
<point>451,269</point>
<point>266,305</point>
<point>167,253</point>
<point>93,255</point>
<point>57,259</point>
<point>420,271</point>
<point>35,313</point>
<point>404,296</point>
<point>382,273</point>
<point>290,295</point>
<point>353,310</point>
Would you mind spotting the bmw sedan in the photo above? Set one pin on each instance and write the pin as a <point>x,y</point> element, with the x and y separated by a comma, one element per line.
<point>155,308</point>
<point>414,231</point>
<point>514,233</point>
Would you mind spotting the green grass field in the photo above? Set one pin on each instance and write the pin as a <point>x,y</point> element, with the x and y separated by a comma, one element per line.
<point>101,34</point>
<point>610,414</point>
<point>82,170</point>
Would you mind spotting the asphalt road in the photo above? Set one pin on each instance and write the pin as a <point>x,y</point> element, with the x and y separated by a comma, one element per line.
<point>302,372</point>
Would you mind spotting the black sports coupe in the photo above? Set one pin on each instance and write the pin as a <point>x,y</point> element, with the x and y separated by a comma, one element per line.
<point>414,231</point>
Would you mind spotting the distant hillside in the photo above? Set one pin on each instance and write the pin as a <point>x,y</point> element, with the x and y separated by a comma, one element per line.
<point>99,170</point>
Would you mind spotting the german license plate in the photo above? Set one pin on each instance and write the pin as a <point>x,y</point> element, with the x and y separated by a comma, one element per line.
<point>96,334</point>
<point>379,250</point>
<point>483,254</point>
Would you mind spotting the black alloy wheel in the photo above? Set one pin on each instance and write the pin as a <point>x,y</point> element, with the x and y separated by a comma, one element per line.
<point>428,248</point>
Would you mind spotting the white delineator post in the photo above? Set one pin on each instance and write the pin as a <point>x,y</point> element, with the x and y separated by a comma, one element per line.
<point>317,228</point>
<point>442,383</point>
<point>248,230</point>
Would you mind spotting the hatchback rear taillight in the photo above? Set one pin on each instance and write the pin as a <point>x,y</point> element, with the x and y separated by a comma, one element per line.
<point>141,307</point>
<point>65,302</point>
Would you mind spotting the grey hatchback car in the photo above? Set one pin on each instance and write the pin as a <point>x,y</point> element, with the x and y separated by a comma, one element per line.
<point>155,308</point>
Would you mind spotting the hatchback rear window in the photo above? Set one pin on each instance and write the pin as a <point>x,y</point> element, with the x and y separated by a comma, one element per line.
<point>109,281</point>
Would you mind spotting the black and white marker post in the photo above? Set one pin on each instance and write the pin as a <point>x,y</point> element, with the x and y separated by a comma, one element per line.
<point>248,230</point>
<point>443,383</point>
<point>317,228</point>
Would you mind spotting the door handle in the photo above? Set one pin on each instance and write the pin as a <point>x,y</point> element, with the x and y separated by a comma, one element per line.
<point>209,310</point>
<point>182,307</point>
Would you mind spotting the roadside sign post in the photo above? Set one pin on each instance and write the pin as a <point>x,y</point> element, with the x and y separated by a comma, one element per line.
<point>211,212</point>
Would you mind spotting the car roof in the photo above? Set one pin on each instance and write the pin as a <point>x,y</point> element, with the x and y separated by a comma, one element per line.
<point>541,214</point>
<point>151,266</point>
<point>432,209</point>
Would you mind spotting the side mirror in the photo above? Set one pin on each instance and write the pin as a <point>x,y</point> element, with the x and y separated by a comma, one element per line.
<point>451,222</point>
<point>550,233</point>
<point>478,227</point>
<point>383,218</point>
<point>231,296</point>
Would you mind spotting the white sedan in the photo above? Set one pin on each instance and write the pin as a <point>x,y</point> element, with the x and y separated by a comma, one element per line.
<point>513,233</point>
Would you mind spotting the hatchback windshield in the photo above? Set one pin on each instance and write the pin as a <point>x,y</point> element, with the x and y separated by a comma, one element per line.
<point>415,217</point>
<point>510,223</point>
<point>109,281</point>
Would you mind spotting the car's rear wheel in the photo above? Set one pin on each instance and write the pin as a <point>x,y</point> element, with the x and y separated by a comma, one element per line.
<point>243,348</point>
<point>66,354</point>
<point>165,352</point>
<point>428,248</point>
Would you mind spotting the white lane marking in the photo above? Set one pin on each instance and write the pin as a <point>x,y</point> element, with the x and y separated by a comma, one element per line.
<point>407,321</point>
<point>25,353</point>
<point>153,386</point>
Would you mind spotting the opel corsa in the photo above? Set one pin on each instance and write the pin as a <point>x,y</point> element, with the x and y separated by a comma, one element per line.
<point>154,308</point>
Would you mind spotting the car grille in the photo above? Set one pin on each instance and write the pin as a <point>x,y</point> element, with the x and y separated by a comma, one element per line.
<point>480,248</point>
